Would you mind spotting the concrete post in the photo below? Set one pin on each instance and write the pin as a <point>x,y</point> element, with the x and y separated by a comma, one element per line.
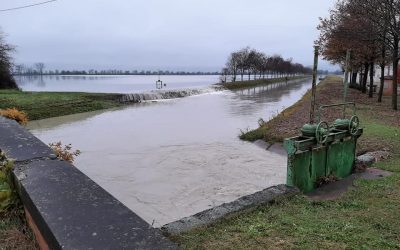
<point>314,84</point>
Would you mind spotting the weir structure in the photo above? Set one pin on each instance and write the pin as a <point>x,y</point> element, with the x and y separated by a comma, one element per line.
<point>322,150</point>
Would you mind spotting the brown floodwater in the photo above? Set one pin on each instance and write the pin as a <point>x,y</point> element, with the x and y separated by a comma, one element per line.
<point>169,159</point>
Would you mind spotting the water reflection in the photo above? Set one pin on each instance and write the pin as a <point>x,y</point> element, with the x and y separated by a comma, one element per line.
<point>112,83</point>
<point>276,96</point>
<point>271,92</point>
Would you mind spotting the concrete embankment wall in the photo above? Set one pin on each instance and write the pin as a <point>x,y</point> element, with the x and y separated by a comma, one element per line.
<point>215,214</point>
<point>64,207</point>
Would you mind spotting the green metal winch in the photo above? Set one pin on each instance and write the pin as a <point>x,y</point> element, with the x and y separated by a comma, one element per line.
<point>308,130</point>
<point>322,150</point>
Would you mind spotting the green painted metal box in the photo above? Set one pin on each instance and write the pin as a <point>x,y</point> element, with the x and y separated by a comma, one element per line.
<point>308,161</point>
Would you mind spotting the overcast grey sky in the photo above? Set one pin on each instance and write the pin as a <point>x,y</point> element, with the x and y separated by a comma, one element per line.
<point>159,34</point>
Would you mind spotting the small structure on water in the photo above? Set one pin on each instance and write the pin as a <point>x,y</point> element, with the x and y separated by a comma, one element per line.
<point>159,83</point>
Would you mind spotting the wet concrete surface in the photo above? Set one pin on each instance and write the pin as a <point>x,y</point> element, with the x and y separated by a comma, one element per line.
<point>19,144</point>
<point>214,214</point>
<point>335,190</point>
<point>73,212</point>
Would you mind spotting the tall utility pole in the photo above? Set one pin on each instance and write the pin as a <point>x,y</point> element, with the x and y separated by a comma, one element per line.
<point>346,80</point>
<point>314,84</point>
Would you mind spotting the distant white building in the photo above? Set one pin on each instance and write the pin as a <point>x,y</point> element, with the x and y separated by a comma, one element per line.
<point>388,76</point>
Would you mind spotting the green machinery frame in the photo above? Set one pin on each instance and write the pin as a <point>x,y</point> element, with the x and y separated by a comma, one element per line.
<point>323,150</point>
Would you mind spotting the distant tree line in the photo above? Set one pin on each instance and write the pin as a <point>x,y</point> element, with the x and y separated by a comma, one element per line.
<point>39,69</point>
<point>370,29</point>
<point>6,79</point>
<point>252,63</point>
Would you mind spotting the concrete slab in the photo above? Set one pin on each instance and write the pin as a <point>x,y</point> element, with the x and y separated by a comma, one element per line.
<point>19,144</point>
<point>374,173</point>
<point>335,190</point>
<point>73,212</point>
<point>212,215</point>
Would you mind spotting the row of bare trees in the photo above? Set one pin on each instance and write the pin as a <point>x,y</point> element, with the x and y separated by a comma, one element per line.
<point>250,62</point>
<point>36,69</point>
<point>6,79</point>
<point>39,69</point>
<point>370,29</point>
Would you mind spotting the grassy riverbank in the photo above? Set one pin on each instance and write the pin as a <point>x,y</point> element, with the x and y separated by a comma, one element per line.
<point>288,122</point>
<point>365,217</point>
<point>41,105</point>
<point>14,232</point>
<point>259,82</point>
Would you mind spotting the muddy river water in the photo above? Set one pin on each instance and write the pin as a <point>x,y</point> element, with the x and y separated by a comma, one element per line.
<point>173,158</point>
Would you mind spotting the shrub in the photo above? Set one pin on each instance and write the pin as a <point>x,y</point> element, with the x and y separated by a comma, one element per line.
<point>14,114</point>
<point>64,153</point>
<point>8,196</point>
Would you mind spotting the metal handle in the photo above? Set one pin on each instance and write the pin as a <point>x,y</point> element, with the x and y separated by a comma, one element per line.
<point>321,132</point>
<point>337,105</point>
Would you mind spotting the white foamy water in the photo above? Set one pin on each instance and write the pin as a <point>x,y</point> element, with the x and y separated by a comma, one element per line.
<point>171,159</point>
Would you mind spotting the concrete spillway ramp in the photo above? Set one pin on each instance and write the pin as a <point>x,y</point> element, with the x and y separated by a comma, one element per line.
<point>164,94</point>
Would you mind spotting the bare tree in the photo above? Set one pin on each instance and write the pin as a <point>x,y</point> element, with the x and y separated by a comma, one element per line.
<point>264,64</point>
<point>224,75</point>
<point>6,79</point>
<point>243,55</point>
<point>383,16</point>
<point>233,64</point>
<point>40,67</point>
<point>19,69</point>
<point>252,62</point>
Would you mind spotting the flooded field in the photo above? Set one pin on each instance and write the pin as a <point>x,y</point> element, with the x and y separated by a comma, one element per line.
<point>169,159</point>
<point>113,83</point>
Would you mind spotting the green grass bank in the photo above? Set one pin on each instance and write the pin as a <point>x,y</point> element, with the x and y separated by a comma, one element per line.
<point>14,232</point>
<point>366,217</point>
<point>41,105</point>
<point>258,82</point>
